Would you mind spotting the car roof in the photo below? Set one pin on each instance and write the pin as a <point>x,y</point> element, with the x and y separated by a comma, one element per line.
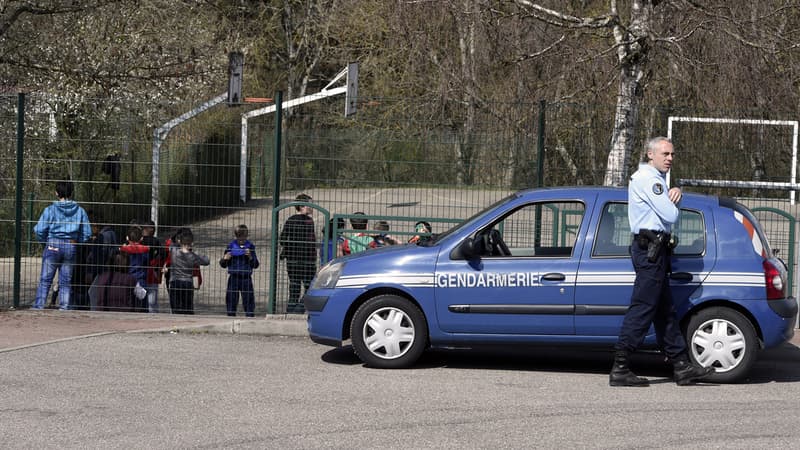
<point>606,191</point>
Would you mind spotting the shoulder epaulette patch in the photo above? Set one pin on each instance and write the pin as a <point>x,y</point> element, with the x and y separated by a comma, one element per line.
<point>658,188</point>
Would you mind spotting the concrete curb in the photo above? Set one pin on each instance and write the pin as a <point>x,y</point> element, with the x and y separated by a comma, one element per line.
<point>271,325</point>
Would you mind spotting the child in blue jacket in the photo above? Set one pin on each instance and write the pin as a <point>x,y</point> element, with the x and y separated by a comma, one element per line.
<point>61,226</point>
<point>240,259</point>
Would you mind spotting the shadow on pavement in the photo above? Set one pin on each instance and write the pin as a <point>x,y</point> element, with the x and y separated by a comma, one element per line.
<point>779,365</point>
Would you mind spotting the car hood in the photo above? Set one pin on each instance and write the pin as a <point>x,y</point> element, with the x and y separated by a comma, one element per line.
<point>406,257</point>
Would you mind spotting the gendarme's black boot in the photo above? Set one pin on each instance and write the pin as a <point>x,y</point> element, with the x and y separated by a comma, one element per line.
<point>621,374</point>
<point>685,373</point>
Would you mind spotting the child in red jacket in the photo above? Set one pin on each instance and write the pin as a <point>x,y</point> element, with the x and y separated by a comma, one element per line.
<point>139,260</point>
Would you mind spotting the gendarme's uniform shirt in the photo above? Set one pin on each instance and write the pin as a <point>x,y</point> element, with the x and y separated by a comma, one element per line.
<point>649,206</point>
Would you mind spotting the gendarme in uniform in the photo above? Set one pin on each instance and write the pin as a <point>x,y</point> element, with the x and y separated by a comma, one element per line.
<point>649,206</point>
<point>652,210</point>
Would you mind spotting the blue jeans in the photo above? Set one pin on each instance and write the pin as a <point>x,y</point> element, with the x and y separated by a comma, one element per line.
<point>152,297</point>
<point>59,254</point>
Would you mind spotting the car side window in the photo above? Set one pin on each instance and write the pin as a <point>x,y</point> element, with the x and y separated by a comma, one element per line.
<point>691,234</point>
<point>613,234</point>
<point>546,229</point>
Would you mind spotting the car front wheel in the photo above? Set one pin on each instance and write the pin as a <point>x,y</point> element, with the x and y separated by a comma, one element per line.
<point>724,339</point>
<point>389,332</point>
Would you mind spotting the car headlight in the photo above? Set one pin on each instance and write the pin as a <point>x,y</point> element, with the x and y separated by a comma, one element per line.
<point>328,276</point>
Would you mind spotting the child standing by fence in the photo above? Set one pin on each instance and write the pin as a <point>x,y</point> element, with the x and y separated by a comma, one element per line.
<point>139,260</point>
<point>299,248</point>
<point>61,225</point>
<point>154,265</point>
<point>183,260</point>
<point>240,259</point>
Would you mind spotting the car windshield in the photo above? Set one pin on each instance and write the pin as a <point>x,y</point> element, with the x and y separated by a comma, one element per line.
<point>437,238</point>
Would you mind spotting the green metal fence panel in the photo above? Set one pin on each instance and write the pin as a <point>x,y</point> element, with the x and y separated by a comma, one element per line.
<point>781,234</point>
<point>396,160</point>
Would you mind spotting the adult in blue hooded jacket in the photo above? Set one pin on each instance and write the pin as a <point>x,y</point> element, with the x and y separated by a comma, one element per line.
<point>61,226</point>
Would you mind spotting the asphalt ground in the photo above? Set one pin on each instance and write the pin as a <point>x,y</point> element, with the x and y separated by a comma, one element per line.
<point>197,390</point>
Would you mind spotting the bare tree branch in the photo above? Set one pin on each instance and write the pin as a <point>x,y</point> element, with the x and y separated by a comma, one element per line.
<point>567,20</point>
<point>10,13</point>
<point>749,43</point>
<point>682,37</point>
<point>540,52</point>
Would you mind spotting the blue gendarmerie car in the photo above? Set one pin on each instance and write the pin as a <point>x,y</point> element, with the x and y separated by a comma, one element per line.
<point>551,266</point>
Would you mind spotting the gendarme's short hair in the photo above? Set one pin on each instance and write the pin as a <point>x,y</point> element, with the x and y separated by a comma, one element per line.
<point>651,145</point>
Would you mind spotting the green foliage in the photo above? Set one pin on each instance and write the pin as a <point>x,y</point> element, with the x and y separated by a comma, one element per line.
<point>204,182</point>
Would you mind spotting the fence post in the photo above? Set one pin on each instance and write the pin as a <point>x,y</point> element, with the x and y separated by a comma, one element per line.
<point>18,198</point>
<point>537,226</point>
<point>28,231</point>
<point>276,201</point>
<point>540,145</point>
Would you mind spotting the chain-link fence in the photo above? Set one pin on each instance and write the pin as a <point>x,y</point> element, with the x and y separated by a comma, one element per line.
<point>396,161</point>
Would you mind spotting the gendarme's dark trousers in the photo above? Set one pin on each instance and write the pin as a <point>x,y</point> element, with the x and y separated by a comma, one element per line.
<point>243,284</point>
<point>651,302</point>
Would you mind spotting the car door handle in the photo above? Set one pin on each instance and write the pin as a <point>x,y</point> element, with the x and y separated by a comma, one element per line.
<point>681,276</point>
<point>554,277</point>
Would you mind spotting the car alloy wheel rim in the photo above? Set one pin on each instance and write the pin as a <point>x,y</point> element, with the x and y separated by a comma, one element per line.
<point>720,344</point>
<point>388,333</point>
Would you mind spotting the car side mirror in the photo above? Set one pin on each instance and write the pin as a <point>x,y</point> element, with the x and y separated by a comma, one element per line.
<point>470,248</point>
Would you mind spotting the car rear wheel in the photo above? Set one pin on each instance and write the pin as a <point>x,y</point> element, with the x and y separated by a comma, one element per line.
<point>389,332</point>
<point>725,340</point>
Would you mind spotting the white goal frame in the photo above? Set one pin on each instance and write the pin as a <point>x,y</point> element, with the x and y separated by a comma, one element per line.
<point>746,184</point>
<point>350,73</point>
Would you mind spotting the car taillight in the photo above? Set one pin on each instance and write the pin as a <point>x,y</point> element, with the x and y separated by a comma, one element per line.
<point>776,288</point>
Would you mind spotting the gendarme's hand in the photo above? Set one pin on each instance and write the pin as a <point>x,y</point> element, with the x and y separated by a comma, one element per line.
<point>675,195</point>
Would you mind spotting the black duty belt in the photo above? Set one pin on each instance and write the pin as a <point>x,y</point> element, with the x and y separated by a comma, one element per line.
<point>657,232</point>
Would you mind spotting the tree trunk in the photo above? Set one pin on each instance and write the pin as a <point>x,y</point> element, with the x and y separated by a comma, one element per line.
<point>465,148</point>
<point>625,119</point>
<point>632,53</point>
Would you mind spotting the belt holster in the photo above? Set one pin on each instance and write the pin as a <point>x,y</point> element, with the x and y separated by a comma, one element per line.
<point>652,241</point>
